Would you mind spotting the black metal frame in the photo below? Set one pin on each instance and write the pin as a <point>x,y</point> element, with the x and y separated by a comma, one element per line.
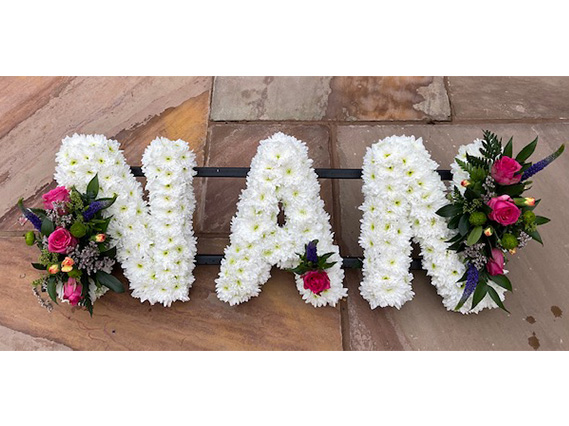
<point>241,172</point>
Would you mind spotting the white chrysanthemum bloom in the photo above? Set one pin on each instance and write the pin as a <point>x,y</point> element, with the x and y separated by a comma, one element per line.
<point>402,192</point>
<point>155,241</point>
<point>280,172</point>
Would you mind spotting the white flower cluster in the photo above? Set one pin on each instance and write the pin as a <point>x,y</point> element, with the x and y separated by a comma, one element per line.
<point>280,172</point>
<point>155,241</point>
<point>402,192</point>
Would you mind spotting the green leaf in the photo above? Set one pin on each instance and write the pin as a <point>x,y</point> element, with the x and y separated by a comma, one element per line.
<point>47,226</point>
<point>449,210</point>
<point>109,281</point>
<point>38,266</point>
<point>463,225</point>
<point>535,235</point>
<point>541,220</point>
<point>502,281</point>
<point>528,150</point>
<point>93,187</point>
<point>479,294</point>
<point>509,148</point>
<point>511,190</point>
<point>51,289</point>
<point>112,252</point>
<point>474,236</point>
<point>453,223</point>
<point>494,295</point>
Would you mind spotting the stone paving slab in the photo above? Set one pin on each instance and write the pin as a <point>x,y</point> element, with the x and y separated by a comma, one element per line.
<point>330,98</point>
<point>539,274</point>
<point>278,319</point>
<point>506,98</point>
<point>133,110</point>
<point>11,340</point>
<point>234,145</point>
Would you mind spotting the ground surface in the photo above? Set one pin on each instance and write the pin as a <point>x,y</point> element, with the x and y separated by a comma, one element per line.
<point>224,119</point>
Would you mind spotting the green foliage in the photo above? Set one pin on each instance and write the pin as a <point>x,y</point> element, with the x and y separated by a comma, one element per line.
<point>502,281</point>
<point>51,283</point>
<point>449,210</point>
<point>508,149</point>
<point>496,298</point>
<point>109,281</point>
<point>93,187</point>
<point>47,227</point>
<point>491,146</point>
<point>525,153</point>
<point>509,241</point>
<point>477,218</point>
<point>474,236</point>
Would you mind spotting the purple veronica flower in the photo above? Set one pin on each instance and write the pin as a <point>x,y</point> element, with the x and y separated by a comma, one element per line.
<point>540,165</point>
<point>93,209</point>
<point>471,284</point>
<point>311,255</point>
<point>31,216</point>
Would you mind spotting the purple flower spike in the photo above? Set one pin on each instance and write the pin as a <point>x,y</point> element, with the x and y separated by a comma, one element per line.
<point>540,165</point>
<point>93,209</point>
<point>31,216</point>
<point>311,255</point>
<point>471,284</point>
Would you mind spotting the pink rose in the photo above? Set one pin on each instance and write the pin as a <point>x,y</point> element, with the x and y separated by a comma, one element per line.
<point>495,265</point>
<point>72,291</point>
<point>316,281</point>
<point>60,240</point>
<point>504,171</point>
<point>504,211</point>
<point>59,194</point>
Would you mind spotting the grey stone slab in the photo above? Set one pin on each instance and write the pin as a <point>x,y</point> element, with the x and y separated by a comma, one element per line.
<point>509,97</point>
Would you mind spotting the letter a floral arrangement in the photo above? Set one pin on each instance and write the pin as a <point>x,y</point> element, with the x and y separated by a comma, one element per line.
<point>75,251</point>
<point>98,216</point>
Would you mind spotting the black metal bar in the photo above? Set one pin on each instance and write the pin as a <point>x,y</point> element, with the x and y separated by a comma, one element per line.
<point>241,172</point>
<point>347,262</point>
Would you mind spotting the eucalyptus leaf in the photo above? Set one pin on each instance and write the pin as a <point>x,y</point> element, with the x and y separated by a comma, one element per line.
<point>109,281</point>
<point>47,226</point>
<point>474,236</point>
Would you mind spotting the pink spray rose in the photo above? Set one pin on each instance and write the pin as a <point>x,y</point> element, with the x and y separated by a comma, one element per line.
<point>59,194</point>
<point>504,211</point>
<point>316,281</point>
<point>504,171</point>
<point>495,265</point>
<point>59,241</point>
<point>72,291</point>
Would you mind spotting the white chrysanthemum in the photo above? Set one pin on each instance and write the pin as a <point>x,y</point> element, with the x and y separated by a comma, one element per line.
<point>155,241</point>
<point>402,193</point>
<point>280,172</point>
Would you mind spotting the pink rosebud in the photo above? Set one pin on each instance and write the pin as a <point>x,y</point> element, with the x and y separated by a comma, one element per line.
<point>100,238</point>
<point>465,183</point>
<point>530,201</point>
<point>495,265</point>
<point>504,211</point>
<point>72,291</point>
<point>316,281</point>
<point>53,269</point>
<point>60,240</point>
<point>504,171</point>
<point>488,232</point>
<point>59,194</point>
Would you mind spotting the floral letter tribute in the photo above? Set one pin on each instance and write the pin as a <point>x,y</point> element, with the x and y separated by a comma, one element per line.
<point>155,242</point>
<point>402,193</point>
<point>490,215</point>
<point>281,172</point>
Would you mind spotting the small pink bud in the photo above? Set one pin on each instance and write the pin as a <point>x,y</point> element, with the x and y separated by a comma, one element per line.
<point>53,269</point>
<point>530,201</point>
<point>100,238</point>
<point>465,183</point>
<point>488,232</point>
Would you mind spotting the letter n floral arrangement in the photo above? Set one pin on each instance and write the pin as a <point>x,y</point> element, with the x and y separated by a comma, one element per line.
<point>75,251</point>
<point>490,213</point>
